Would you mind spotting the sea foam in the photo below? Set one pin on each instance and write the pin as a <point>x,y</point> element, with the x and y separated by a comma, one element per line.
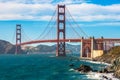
<point>101,76</point>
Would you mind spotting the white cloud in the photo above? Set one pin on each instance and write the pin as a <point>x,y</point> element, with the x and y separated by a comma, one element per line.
<point>44,10</point>
<point>90,18</point>
<point>24,8</point>
<point>45,1</point>
<point>27,1</point>
<point>46,18</point>
<point>93,12</point>
<point>93,9</point>
<point>110,24</point>
<point>24,11</point>
<point>15,17</point>
<point>42,1</point>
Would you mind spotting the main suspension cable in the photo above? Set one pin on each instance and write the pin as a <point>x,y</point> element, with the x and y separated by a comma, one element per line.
<point>73,28</point>
<point>76,23</point>
<point>47,24</point>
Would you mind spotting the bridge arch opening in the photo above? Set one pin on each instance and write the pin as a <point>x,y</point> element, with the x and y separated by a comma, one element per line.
<point>87,52</point>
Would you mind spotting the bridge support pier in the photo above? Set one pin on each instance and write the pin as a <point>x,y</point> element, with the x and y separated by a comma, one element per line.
<point>18,39</point>
<point>91,48</point>
<point>97,47</point>
<point>61,31</point>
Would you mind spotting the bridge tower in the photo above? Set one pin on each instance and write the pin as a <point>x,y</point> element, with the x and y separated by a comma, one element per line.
<point>61,31</point>
<point>18,39</point>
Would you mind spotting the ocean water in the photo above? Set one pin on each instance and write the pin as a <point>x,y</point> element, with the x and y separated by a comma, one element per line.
<point>42,67</point>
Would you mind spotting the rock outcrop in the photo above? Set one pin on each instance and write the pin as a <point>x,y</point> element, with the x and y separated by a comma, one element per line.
<point>116,67</point>
<point>84,68</point>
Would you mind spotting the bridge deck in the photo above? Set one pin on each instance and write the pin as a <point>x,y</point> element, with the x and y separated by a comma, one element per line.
<point>67,40</point>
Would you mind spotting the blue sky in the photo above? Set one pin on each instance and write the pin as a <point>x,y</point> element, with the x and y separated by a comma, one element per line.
<point>96,17</point>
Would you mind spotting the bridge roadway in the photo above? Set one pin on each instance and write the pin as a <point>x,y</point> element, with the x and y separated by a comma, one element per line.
<point>70,40</point>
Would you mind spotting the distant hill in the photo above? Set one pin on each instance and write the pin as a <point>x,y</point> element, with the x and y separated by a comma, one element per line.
<point>7,47</point>
<point>46,48</point>
<point>73,48</point>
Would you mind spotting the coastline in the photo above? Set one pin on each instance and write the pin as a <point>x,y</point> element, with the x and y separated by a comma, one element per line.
<point>97,62</point>
<point>101,76</point>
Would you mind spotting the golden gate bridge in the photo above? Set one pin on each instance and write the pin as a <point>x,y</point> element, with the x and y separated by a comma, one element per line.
<point>90,47</point>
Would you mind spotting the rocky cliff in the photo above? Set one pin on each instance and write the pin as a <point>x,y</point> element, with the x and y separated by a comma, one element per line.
<point>116,67</point>
<point>112,57</point>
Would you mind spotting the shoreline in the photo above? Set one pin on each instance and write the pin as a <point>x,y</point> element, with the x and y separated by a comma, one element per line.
<point>103,76</point>
<point>110,76</point>
<point>97,62</point>
<point>97,75</point>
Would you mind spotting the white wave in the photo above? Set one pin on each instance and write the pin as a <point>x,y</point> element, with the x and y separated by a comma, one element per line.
<point>71,69</point>
<point>99,76</point>
<point>97,62</point>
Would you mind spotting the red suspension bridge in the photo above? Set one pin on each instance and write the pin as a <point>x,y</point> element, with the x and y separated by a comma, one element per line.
<point>90,47</point>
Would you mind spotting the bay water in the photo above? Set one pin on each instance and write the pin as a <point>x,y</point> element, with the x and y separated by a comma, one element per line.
<point>42,67</point>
